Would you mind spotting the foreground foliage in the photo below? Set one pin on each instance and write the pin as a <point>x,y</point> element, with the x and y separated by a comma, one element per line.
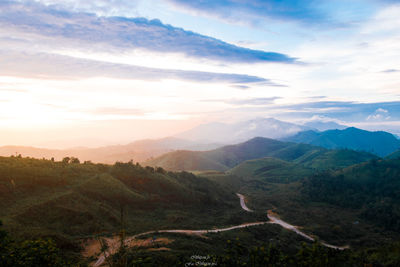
<point>29,253</point>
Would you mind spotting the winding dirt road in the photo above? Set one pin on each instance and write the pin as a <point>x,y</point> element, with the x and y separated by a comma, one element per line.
<point>273,219</point>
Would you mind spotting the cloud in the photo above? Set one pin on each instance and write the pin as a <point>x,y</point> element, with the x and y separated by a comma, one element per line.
<point>257,101</point>
<point>53,66</point>
<point>322,118</point>
<point>342,107</point>
<point>379,115</point>
<point>322,14</point>
<point>390,71</point>
<point>241,87</point>
<point>252,101</point>
<point>381,110</point>
<point>117,111</point>
<point>102,7</point>
<point>84,30</point>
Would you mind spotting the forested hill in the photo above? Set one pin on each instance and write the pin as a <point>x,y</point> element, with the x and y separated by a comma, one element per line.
<point>227,157</point>
<point>394,155</point>
<point>372,188</point>
<point>379,143</point>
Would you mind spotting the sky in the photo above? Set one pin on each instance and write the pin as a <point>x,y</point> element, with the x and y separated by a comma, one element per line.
<point>90,73</point>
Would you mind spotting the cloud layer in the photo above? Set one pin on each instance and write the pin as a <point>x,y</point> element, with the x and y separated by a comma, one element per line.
<point>124,33</point>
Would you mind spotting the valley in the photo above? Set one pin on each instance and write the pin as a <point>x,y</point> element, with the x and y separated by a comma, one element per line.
<point>197,197</point>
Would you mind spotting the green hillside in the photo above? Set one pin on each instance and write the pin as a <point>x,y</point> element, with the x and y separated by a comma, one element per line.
<point>227,157</point>
<point>72,200</point>
<point>271,170</point>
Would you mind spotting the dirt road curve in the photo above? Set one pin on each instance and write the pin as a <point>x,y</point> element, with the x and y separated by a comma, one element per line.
<point>273,218</point>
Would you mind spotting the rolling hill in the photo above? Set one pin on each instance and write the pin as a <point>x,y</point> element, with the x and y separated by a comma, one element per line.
<point>379,143</point>
<point>227,157</point>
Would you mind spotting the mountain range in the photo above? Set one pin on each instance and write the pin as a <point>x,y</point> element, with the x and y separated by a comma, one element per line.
<point>213,135</point>
<point>227,157</point>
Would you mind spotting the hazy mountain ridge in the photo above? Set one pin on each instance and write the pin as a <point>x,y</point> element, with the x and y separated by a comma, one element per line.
<point>379,142</point>
<point>241,131</point>
<point>137,151</point>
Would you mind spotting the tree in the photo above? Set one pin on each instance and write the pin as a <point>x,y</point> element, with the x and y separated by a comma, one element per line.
<point>29,253</point>
<point>74,160</point>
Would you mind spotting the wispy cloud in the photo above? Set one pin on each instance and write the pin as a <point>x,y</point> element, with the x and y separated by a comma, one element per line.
<point>86,29</point>
<point>117,111</point>
<point>102,7</point>
<point>53,66</point>
<point>312,13</point>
